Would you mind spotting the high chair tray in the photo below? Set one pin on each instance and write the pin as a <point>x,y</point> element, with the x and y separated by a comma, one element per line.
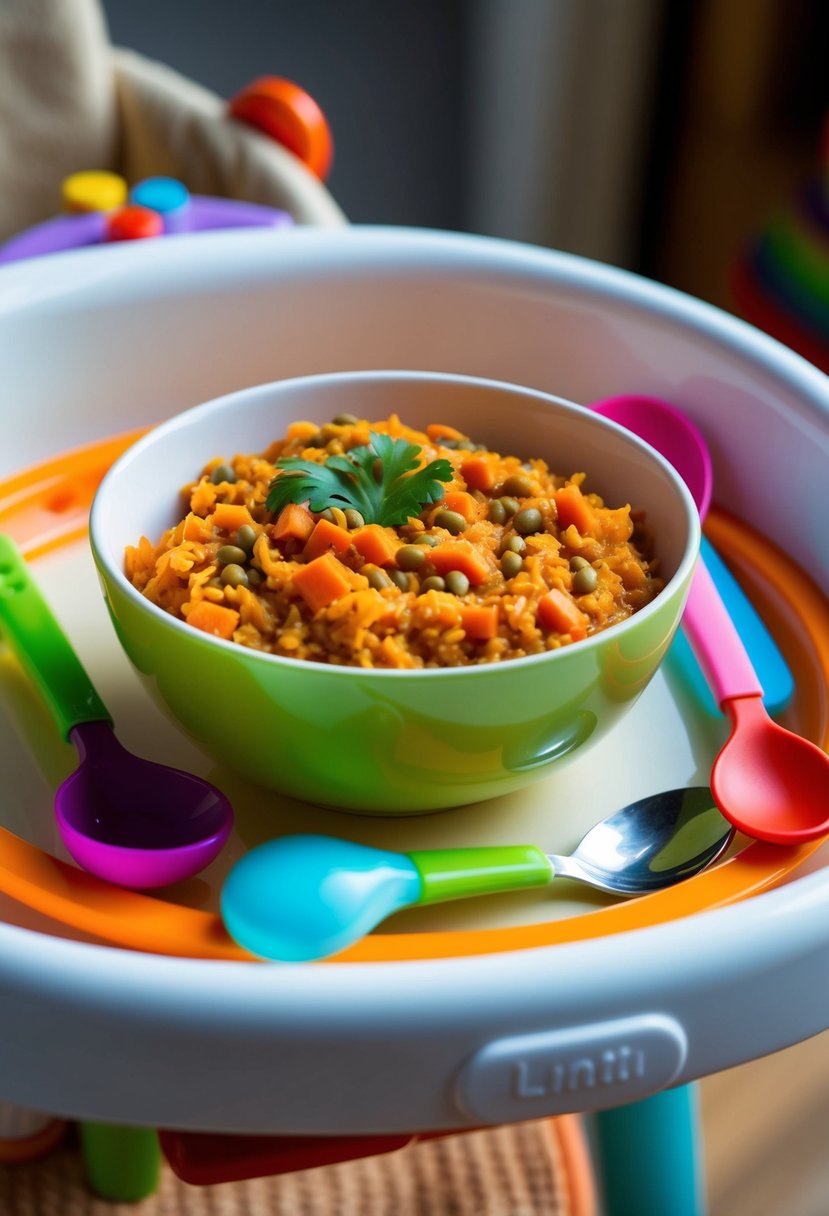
<point>467,1009</point>
<point>670,741</point>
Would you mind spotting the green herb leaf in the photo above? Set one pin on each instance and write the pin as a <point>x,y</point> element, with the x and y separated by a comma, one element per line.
<point>378,480</point>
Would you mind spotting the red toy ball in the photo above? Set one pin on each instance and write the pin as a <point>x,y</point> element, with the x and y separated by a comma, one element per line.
<point>286,113</point>
<point>133,223</point>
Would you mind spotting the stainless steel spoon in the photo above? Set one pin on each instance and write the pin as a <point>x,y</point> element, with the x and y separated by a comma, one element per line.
<point>305,897</point>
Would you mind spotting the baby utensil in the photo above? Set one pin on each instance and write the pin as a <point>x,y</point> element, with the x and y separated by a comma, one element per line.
<point>672,433</point>
<point>769,782</point>
<point>772,669</point>
<point>682,443</point>
<point>306,897</point>
<point>131,821</point>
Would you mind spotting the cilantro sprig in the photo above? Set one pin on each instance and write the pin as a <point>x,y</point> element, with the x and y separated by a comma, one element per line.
<point>381,480</point>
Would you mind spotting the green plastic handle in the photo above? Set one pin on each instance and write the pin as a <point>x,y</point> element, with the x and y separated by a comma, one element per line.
<point>457,873</point>
<point>42,647</point>
<point>123,1164</point>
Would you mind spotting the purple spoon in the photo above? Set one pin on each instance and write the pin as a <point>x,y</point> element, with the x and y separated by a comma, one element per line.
<point>125,819</point>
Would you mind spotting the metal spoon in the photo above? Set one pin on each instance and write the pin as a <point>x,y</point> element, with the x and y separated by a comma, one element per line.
<point>305,897</point>
<point>769,782</point>
<point>125,819</point>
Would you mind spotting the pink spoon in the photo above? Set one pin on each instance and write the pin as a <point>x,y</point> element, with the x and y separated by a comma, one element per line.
<point>767,781</point>
<point>672,433</point>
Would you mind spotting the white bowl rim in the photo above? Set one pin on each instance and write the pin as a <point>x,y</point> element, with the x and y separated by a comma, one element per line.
<point>340,670</point>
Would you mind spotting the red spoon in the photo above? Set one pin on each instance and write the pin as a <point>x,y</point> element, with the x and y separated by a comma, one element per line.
<point>767,781</point>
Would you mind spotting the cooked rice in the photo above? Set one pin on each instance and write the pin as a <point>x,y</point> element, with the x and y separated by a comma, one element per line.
<point>399,626</point>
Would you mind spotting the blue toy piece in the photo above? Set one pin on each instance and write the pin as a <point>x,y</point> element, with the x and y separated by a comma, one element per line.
<point>166,195</point>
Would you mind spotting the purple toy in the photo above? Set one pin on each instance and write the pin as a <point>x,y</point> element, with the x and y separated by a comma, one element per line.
<point>182,214</point>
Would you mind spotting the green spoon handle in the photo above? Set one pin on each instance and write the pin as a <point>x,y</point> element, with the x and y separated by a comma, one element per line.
<point>42,647</point>
<point>457,873</point>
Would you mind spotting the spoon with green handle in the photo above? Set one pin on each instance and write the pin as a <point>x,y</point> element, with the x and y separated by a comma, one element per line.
<point>125,819</point>
<point>306,897</point>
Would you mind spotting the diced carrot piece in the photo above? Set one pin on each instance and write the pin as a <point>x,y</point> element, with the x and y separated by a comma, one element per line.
<point>231,515</point>
<point>480,621</point>
<point>457,555</point>
<point>213,618</point>
<point>463,503</point>
<point>321,582</point>
<point>440,430</point>
<point>478,473</point>
<point>294,522</point>
<point>376,544</point>
<point>573,508</point>
<point>195,528</point>
<point>559,613</point>
<point>326,536</point>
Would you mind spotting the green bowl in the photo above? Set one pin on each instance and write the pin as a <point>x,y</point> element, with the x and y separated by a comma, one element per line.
<point>392,741</point>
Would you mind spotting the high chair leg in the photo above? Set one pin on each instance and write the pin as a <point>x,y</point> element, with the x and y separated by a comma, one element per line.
<point>123,1164</point>
<point>649,1156</point>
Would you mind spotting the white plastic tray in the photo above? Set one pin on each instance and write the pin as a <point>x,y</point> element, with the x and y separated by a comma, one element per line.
<point>99,341</point>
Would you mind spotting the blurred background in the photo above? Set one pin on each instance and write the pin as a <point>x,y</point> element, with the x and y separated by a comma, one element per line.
<point>657,135</point>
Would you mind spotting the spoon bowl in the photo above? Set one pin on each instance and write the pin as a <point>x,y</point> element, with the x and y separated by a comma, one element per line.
<point>306,897</point>
<point>672,433</point>
<point>774,783</point>
<point>123,818</point>
<point>681,442</point>
<point>767,781</point>
<point>134,822</point>
<point>651,844</point>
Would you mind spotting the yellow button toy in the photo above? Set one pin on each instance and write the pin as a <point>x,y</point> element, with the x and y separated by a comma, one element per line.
<point>93,190</point>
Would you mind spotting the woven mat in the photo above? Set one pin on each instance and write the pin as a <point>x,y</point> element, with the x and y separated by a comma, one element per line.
<point>509,1171</point>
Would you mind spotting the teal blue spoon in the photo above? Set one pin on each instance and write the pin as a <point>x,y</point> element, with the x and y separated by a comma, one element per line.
<point>306,897</point>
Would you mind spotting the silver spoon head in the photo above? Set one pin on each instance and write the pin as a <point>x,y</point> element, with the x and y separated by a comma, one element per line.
<point>651,844</point>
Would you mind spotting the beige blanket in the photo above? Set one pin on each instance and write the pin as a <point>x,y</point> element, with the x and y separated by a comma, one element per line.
<point>70,101</point>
